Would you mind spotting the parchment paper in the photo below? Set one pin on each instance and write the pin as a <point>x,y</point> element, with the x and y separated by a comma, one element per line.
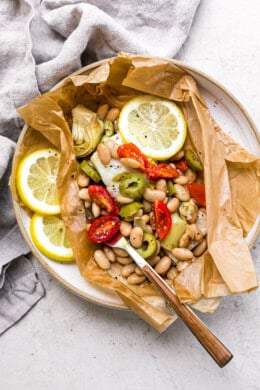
<point>231,180</point>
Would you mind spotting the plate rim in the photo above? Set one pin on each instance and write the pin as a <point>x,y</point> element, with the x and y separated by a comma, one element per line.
<point>63,282</point>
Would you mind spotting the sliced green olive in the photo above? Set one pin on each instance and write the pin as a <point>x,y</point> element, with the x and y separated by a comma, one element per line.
<point>109,128</point>
<point>193,160</point>
<point>90,171</point>
<point>149,246</point>
<point>119,177</point>
<point>132,185</point>
<point>171,188</point>
<point>129,210</point>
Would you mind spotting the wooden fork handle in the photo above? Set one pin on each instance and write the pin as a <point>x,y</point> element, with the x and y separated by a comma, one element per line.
<point>208,340</point>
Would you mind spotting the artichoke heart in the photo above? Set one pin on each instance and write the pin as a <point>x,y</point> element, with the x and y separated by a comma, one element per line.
<point>87,130</point>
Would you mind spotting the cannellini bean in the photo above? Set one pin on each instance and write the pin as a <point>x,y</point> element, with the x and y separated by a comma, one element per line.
<point>136,237</point>
<point>161,185</point>
<point>200,248</point>
<point>125,228</point>
<point>172,273</point>
<point>110,254</point>
<point>83,194</point>
<point>128,270</point>
<point>124,260</point>
<point>153,195</point>
<point>181,193</point>
<point>145,218</point>
<point>182,265</point>
<point>114,152</point>
<point>149,229</point>
<point>135,279</point>
<point>110,143</point>
<point>116,127</point>
<point>130,162</point>
<point>104,153</point>
<point>139,213</point>
<point>138,271</point>
<point>154,260</point>
<point>184,241</point>
<point>102,111</point>
<point>191,175</point>
<point>113,114</point>
<point>120,252</point>
<point>182,254</point>
<point>101,259</point>
<point>147,206</point>
<point>83,180</point>
<point>123,199</point>
<point>95,210</point>
<point>173,204</point>
<point>87,204</point>
<point>152,219</point>
<point>183,180</point>
<point>190,232</point>
<point>178,155</point>
<point>163,265</point>
<point>197,232</point>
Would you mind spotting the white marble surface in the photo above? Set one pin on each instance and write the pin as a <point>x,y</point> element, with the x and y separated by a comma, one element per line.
<point>66,343</point>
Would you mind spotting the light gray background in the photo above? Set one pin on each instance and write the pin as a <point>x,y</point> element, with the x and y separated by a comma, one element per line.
<point>69,344</point>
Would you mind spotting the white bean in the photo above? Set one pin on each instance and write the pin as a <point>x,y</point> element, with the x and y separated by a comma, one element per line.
<point>147,206</point>
<point>178,155</point>
<point>183,180</point>
<point>102,111</point>
<point>87,204</point>
<point>197,232</point>
<point>163,265</point>
<point>125,228</point>
<point>135,279</point>
<point>123,199</point>
<point>83,194</point>
<point>130,162</point>
<point>145,218</point>
<point>173,204</point>
<point>136,237</point>
<point>138,271</point>
<point>154,260</point>
<point>182,254</point>
<point>114,152</point>
<point>200,248</point>
<point>184,241</point>
<point>191,175</point>
<point>120,252</point>
<point>161,185</point>
<point>172,273</point>
<point>113,114</point>
<point>128,270</point>
<point>109,254</point>
<point>95,210</point>
<point>153,195</point>
<point>181,193</point>
<point>182,265</point>
<point>101,259</point>
<point>83,180</point>
<point>104,153</point>
<point>124,260</point>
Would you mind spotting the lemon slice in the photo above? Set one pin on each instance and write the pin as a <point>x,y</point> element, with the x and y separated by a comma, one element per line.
<point>49,235</point>
<point>36,181</point>
<point>157,126</point>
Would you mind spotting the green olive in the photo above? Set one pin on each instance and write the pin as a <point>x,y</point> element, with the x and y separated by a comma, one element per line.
<point>129,210</point>
<point>90,171</point>
<point>132,185</point>
<point>193,160</point>
<point>149,245</point>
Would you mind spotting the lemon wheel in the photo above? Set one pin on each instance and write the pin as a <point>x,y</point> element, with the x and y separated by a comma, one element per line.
<point>157,126</point>
<point>36,181</point>
<point>50,237</point>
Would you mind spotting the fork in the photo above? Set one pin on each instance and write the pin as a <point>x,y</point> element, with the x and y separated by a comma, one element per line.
<point>208,340</point>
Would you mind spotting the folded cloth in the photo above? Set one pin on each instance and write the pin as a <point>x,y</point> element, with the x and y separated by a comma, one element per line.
<point>41,42</point>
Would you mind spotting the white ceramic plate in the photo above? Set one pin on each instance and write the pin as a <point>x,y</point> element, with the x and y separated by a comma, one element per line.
<point>231,117</point>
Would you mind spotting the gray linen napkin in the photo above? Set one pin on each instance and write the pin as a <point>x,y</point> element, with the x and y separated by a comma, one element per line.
<point>41,42</point>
